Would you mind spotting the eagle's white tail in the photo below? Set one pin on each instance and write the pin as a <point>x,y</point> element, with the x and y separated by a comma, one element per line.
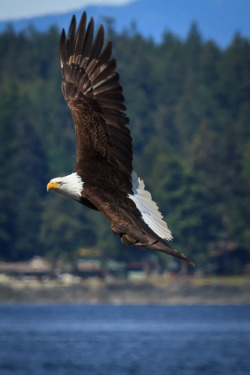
<point>149,209</point>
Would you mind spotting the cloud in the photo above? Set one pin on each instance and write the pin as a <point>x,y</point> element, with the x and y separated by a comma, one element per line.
<point>14,9</point>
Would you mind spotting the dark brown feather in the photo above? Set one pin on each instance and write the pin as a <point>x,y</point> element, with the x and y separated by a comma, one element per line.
<point>80,37</point>
<point>63,50</point>
<point>98,44</point>
<point>88,39</point>
<point>71,37</point>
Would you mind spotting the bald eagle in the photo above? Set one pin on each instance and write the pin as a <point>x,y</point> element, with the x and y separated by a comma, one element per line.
<point>103,178</point>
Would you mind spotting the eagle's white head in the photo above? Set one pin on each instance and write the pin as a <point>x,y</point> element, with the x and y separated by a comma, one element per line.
<point>70,186</point>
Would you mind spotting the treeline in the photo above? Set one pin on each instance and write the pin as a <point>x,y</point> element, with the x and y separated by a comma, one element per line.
<point>189,106</point>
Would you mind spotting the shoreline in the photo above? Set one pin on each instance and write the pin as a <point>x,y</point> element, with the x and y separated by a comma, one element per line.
<point>177,291</point>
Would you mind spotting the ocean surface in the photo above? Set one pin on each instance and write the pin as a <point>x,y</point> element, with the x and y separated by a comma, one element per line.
<point>124,340</point>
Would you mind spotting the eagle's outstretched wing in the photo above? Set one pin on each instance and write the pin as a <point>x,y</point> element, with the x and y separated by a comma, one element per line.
<point>93,92</point>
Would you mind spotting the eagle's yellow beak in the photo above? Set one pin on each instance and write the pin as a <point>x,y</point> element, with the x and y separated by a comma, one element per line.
<point>52,185</point>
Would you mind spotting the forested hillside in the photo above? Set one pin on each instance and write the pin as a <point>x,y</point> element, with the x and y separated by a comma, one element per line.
<point>189,106</point>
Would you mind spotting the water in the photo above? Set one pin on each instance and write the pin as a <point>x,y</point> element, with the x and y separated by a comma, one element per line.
<point>124,340</point>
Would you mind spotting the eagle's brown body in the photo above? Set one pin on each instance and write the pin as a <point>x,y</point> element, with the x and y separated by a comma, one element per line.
<point>93,92</point>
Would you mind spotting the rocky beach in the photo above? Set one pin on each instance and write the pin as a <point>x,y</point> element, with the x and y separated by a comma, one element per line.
<point>158,290</point>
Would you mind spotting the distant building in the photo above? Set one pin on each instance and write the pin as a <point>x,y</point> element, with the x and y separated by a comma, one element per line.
<point>37,268</point>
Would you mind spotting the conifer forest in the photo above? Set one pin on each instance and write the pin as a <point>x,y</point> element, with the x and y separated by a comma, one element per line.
<point>189,107</point>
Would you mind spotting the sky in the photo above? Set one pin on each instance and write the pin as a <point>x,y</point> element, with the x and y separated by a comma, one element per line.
<point>217,19</point>
<point>14,9</point>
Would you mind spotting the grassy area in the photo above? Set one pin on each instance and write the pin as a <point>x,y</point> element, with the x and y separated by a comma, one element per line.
<point>221,280</point>
<point>198,281</point>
